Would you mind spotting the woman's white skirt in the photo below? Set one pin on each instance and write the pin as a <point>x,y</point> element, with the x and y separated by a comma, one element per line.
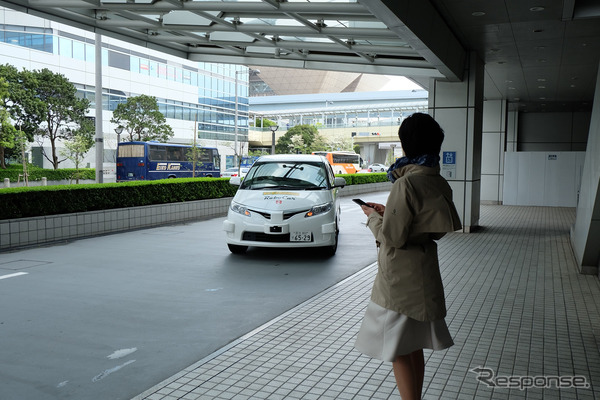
<point>386,334</point>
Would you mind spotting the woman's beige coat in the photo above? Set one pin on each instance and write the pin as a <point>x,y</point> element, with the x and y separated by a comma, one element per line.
<point>419,210</point>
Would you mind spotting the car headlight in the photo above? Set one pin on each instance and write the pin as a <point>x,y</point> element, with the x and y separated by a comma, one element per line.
<point>240,209</point>
<point>320,209</point>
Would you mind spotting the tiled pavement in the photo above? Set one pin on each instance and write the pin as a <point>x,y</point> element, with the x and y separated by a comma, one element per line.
<point>516,305</point>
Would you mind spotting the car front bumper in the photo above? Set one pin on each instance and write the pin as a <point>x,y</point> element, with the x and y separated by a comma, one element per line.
<point>261,232</point>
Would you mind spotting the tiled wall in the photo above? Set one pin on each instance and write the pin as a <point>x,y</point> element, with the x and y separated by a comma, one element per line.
<point>15,233</point>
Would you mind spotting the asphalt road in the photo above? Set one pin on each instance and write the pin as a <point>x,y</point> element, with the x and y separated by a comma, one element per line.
<point>111,316</point>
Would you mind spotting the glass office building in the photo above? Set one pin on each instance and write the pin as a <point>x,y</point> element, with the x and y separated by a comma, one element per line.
<point>195,97</point>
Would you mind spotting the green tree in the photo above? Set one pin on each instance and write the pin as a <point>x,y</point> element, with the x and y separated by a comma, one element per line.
<point>141,119</point>
<point>195,155</point>
<point>8,132</point>
<point>257,153</point>
<point>300,139</point>
<point>82,140</point>
<point>62,113</point>
<point>22,104</point>
<point>265,123</point>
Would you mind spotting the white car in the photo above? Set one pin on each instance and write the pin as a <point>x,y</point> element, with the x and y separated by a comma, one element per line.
<point>285,201</point>
<point>377,168</point>
<point>233,171</point>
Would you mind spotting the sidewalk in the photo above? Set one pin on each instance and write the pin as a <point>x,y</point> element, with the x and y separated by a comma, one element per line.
<point>516,305</point>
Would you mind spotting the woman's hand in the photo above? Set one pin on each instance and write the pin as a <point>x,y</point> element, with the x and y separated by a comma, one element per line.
<point>375,207</point>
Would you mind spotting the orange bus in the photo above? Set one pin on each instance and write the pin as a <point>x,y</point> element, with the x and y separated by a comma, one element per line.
<point>342,162</point>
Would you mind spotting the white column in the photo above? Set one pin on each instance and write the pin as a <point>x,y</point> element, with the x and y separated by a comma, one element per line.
<point>99,138</point>
<point>492,151</point>
<point>458,108</point>
<point>585,234</point>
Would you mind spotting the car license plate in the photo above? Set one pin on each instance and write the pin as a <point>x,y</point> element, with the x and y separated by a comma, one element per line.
<point>300,237</point>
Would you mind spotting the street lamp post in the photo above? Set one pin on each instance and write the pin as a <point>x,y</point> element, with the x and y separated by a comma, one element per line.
<point>273,129</point>
<point>235,146</point>
<point>119,130</point>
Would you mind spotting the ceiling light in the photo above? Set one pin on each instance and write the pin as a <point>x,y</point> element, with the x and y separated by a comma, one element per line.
<point>536,9</point>
<point>541,79</point>
<point>478,14</point>
<point>541,87</point>
<point>541,60</point>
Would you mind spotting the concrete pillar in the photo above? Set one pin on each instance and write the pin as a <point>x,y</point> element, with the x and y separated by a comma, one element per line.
<point>585,234</point>
<point>458,108</point>
<point>44,181</point>
<point>512,131</point>
<point>492,151</point>
<point>6,182</point>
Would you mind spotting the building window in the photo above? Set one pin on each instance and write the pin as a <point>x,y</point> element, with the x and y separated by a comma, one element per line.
<point>118,60</point>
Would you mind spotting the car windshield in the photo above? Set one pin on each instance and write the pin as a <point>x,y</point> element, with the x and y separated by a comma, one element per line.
<point>286,175</point>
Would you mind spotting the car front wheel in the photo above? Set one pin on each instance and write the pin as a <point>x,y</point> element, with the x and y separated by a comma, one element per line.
<point>329,251</point>
<point>235,249</point>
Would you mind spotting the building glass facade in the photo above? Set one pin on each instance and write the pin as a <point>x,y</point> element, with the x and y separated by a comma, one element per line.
<point>214,110</point>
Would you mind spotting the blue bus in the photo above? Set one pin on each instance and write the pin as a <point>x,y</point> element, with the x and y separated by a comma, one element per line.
<point>153,160</point>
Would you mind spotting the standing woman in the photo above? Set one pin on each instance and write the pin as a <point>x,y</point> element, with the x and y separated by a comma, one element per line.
<point>407,308</point>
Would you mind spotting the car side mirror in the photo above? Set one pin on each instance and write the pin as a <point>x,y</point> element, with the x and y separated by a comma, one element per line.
<point>339,182</point>
<point>236,180</point>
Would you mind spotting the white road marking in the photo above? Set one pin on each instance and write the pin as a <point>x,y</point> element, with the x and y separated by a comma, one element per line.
<point>121,353</point>
<point>13,275</point>
<point>107,372</point>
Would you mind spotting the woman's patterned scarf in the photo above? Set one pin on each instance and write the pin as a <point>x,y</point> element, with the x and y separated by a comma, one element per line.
<point>426,160</point>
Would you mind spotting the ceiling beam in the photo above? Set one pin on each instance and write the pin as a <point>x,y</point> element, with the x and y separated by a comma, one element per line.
<point>420,25</point>
<point>219,6</point>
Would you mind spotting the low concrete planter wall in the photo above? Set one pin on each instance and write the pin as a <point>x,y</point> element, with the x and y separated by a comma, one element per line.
<point>46,183</point>
<point>22,232</point>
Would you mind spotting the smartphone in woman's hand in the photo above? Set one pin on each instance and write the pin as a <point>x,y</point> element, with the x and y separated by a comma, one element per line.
<point>361,203</point>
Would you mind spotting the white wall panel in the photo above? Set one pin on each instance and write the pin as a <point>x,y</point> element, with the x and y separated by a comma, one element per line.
<point>542,178</point>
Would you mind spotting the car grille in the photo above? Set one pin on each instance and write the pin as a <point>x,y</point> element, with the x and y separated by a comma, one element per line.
<point>287,215</point>
<point>266,237</point>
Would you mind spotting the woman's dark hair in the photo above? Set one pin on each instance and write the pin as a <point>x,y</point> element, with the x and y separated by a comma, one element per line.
<point>420,134</point>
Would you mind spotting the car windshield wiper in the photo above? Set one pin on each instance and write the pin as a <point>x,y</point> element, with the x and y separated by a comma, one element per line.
<point>314,187</point>
<point>280,187</point>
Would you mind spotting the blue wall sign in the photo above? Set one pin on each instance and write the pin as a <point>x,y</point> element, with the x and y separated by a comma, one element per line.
<point>448,169</point>
<point>449,157</point>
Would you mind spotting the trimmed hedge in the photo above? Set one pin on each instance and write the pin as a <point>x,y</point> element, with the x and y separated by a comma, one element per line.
<point>63,199</point>
<point>38,201</point>
<point>36,174</point>
<point>359,179</point>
